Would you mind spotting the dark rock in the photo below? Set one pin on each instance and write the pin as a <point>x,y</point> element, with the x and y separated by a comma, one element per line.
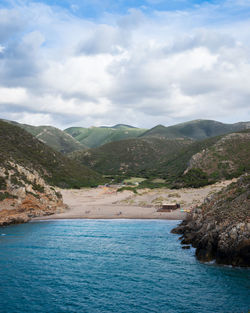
<point>185,247</point>
<point>178,230</point>
<point>220,228</point>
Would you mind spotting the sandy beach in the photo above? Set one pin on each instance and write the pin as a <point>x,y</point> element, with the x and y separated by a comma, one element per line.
<point>107,203</point>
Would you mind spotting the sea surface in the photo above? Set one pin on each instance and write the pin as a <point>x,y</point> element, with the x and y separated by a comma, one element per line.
<point>111,266</point>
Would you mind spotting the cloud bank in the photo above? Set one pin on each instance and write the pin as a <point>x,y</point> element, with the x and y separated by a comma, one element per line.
<point>143,67</point>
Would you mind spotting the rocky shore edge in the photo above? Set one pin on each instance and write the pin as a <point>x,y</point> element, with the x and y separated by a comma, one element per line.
<point>23,210</point>
<point>24,195</point>
<point>219,229</point>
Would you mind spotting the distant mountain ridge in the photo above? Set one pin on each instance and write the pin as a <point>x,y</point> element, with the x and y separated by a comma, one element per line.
<point>197,129</point>
<point>97,136</point>
<point>80,138</point>
<point>119,126</point>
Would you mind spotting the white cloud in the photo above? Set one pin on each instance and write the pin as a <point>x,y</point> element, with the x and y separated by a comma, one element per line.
<point>12,95</point>
<point>33,119</point>
<point>138,69</point>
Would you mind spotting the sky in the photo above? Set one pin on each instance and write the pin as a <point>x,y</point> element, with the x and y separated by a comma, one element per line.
<point>144,62</point>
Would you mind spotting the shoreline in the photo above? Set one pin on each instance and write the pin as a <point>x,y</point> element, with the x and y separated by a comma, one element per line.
<point>112,212</point>
<point>106,203</point>
<point>37,219</point>
<point>47,218</point>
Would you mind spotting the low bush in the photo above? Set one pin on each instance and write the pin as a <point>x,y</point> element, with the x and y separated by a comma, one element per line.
<point>6,195</point>
<point>127,188</point>
<point>38,188</point>
<point>2,183</point>
<point>196,178</point>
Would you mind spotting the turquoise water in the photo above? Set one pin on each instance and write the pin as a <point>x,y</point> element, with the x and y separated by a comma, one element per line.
<point>111,266</point>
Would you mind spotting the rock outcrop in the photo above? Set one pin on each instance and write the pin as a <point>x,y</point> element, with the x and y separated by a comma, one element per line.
<point>220,228</point>
<point>24,194</point>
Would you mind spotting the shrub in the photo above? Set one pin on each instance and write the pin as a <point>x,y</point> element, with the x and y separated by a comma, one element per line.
<point>38,188</point>
<point>15,181</point>
<point>6,195</point>
<point>196,178</point>
<point>127,188</point>
<point>2,183</point>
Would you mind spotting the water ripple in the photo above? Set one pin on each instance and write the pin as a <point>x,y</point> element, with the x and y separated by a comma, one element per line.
<point>111,266</point>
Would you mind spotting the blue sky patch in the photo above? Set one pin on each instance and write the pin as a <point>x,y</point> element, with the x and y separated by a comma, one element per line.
<point>96,8</point>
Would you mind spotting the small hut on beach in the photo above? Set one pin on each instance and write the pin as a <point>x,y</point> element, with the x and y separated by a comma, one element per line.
<point>168,207</point>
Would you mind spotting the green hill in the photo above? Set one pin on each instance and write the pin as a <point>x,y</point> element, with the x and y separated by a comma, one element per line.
<point>197,130</point>
<point>96,136</point>
<point>176,154</point>
<point>209,160</point>
<point>53,137</point>
<point>180,162</point>
<point>119,126</point>
<point>228,157</point>
<point>79,138</point>
<point>135,157</point>
<point>18,147</point>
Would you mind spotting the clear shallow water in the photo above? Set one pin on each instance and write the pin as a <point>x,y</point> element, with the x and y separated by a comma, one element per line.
<point>111,266</point>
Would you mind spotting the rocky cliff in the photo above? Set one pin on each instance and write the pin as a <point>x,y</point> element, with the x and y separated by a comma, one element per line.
<point>220,228</point>
<point>24,194</point>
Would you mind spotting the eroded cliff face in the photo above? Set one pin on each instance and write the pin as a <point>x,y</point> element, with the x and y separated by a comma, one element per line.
<point>220,228</point>
<point>24,194</point>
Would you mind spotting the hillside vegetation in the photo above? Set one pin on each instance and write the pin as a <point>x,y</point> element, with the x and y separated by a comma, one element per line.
<point>97,136</point>
<point>53,137</point>
<point>196,130</point>
<point>207,161</point>
<point>19,147</point>
<point>173,153</point>
<point>80,138</point>
<point>228,157</point>
<point>130,157</point>
<point>180,162</point>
